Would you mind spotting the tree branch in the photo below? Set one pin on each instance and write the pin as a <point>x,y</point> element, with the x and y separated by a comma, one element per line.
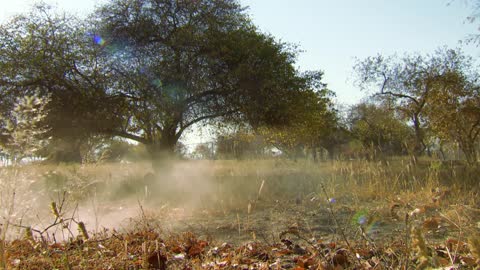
<point>127,135</point>
<point>383,92</point>
<point>400,96</point>
<point>201,118</point>
<point>193,98</point>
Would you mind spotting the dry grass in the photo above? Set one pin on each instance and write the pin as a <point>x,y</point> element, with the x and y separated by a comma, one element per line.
<point>279,213</point>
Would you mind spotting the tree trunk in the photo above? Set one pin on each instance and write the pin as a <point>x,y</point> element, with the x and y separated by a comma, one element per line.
<point>419,144</point>
<point>65,152</point>
<point>331,151</point>
<point>162,151</point>
<point>314,154</point>
<point>442,152</point>
<point>468,149</point>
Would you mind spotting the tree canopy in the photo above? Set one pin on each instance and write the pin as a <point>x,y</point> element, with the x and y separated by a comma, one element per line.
<point>436,94</point>
<point>50,53</point>
<point>454,110</point>
<point>147,70</point>
<point>406,84</point>
<point>379,129</point>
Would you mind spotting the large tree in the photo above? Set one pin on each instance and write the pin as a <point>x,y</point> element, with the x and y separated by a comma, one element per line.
<point>178,63</point>
<point>147,70</point>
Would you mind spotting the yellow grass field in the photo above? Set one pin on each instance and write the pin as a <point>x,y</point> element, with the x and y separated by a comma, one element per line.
<point>222,214</point>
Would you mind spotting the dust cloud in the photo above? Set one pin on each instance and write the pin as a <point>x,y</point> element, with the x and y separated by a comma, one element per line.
<point>114,196</point>
<point>221,198</point>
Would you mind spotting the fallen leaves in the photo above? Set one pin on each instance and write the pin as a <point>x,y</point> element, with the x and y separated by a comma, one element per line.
<point>147,249</point>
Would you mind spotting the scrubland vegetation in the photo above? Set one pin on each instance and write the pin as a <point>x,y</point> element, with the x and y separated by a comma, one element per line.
<point>98,174</point>
<point>265,214</point>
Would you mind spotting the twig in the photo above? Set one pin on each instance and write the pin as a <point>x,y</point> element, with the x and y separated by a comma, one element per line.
<point>144,217</point>
<point>334,217</point>
<point>407,238</point>
<point>337,224</point>
<point>258,195</point>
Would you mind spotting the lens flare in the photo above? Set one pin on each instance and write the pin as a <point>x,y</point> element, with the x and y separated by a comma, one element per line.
<point>157,83</point>
<point>372,229</point>
<point>98,40</point>
<point>362,220</point>
<point>367,222</point>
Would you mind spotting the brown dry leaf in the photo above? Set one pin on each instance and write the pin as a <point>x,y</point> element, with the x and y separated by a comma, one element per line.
<point>394,211</point>
<point>56,246</point>
<point>431,223</point>
<point>306,261</point>
<point>299,250</point>
<point>363,252</point>
<point>282,252</point>
<point>455,245</point>
<point>443,261</point>
<point>246,261</point>
<point>20,246</point>
<point>340,259</point>
<point>176,249</point>
<point>157,261</point>
<point>366,265</point>
<point>468,261</point>
<point>197,248</point>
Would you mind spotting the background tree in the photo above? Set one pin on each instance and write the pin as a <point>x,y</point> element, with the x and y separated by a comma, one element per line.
<point>379,130</point>
<point>55,55</point>
<point>314,121</point>
<point>203,151</point>
<point>406,84</point>
<point>117,149</point>
<point>181,150</point>
<point>240,144</point>
<point>454,112</point>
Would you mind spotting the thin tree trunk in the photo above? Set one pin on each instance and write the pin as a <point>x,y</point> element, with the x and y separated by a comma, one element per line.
<point>419,144</point>
<point>162,151</point>
<point>468,149</point>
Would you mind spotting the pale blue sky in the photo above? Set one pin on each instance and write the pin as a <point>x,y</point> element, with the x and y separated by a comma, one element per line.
<point>333,32</point>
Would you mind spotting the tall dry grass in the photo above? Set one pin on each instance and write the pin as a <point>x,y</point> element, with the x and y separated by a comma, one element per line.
<point>358,194</point>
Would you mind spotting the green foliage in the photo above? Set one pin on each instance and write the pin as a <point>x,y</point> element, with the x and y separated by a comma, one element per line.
<point>149,70</point>
<point>54,54</point>
<point>379,129</point>
<point>454,112</point>
<point>314,120</point>
<point>240,144</point>
<point>210,63</point>
<point>421,89</point>
<point>203,151</point>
